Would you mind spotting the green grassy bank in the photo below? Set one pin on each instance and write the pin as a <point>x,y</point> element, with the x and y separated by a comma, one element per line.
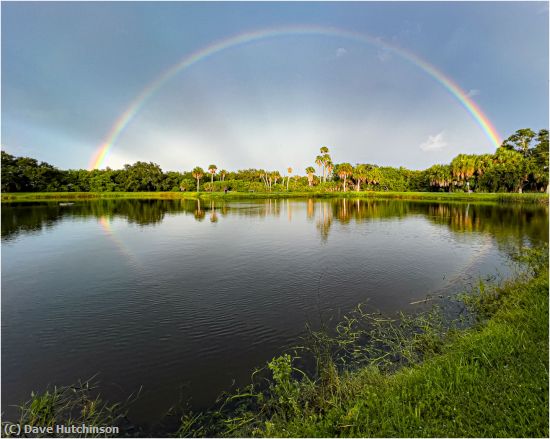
<point>435,196</point>
<point>416,377</point>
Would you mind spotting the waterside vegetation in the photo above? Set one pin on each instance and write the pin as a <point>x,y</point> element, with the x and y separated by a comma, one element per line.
<point>530,198</point>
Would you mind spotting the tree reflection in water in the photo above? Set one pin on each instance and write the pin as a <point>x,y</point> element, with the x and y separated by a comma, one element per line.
<point>508,224</point>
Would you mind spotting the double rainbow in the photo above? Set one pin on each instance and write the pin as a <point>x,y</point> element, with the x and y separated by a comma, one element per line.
<point>137,104</point>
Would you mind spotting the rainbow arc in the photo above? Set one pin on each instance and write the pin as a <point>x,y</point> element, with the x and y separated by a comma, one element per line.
<point>150,89</point>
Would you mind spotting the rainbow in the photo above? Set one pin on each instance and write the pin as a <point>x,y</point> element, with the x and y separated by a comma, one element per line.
<point>140,100</point>
<point>106,225</point>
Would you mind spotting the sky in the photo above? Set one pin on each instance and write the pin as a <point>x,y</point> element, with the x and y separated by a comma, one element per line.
<point>70,71</point>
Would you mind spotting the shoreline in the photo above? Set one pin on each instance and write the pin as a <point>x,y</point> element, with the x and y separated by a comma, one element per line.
<point>529,198</point>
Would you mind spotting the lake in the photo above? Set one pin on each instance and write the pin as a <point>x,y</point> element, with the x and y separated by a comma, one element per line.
<point>182,297</point>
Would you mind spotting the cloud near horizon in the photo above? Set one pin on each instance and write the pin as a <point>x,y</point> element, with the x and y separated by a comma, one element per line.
<point>434,143</point>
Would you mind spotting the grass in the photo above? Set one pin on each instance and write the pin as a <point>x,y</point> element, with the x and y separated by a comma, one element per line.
<point>436,196</point>
<point>68,406</point>
<point>484,374</point>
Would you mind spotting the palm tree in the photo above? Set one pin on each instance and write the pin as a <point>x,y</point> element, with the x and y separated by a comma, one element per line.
<point>212,169</point>
<point>457,169</point>
<point>330,166</point>
<point>360,175</point>
<point>198,172</point>
<point>326,159</point>
<point>322,160</point>
<point>319,162</point>
<point>275,175</point>
<point>223,173</point>
<point>463,167</point>
<point>289,170</point>
<point>310,172</point>
<point>263,176</point>
<point>344,170</point>
<point>439,175</point>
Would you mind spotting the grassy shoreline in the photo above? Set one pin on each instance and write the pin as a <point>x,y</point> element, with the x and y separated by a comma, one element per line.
<point>489,379</point>
<point>531,198</point>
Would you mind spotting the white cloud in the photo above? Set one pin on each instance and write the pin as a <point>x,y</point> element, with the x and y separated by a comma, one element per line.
<point>341,52</point>
<point>434,143</point>
<point>472,92</point>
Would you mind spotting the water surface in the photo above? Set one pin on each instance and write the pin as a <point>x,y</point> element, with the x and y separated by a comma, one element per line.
<point>181,297</point>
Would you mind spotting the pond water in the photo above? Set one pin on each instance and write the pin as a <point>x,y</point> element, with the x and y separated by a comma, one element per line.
<point>183,297</point>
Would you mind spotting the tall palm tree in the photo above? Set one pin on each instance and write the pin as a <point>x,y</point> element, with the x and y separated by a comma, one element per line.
<point>212,169</point>
<point>198,173</point>
<point>323,159</point>
<point>310,172</point>
<point>344,170</point>
<point>319,162</point>
<point>360,174</point>
<point>330,166</point>
<point>276,176</point>
<point>326,159</point>
<point>263,176</point>
<point>289,170</point>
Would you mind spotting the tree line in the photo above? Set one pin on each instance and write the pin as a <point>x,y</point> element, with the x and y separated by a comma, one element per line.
<point>519,164</point>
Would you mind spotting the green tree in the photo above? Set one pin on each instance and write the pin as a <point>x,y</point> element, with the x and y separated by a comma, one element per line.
<point>323,160</point>
<point>344,170</point>
<point>187,184</point>
<point>540,161</point>
<point>509,170</point>
<point>289,170</point>
<point>360,174</point>
<point>197,173</point>
<point>463,168</point>
<point>330,167</point>
<point>212,169</point>
<point>373,174</point>
<point>310,170</point>
<point>142,176</point>
<point>520,141</point>
<point>439,176</point>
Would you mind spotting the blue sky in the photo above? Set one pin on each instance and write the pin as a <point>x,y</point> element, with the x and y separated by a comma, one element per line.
<point>69,70</point>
